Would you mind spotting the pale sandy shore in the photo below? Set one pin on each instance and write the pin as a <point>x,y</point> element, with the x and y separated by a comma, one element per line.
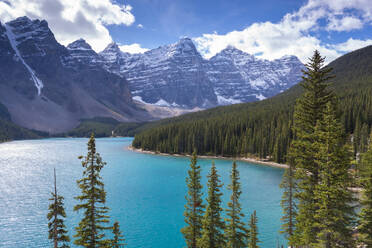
<point>250,160</point>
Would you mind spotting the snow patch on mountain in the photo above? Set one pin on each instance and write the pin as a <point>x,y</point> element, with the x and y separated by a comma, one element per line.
<point>260,97</point>
<point>13,42</point>
<point>226,101</point>
<point>160,102</point>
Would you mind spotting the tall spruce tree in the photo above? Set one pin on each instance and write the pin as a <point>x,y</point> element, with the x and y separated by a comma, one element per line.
<point>56,216</point>
<point>253,236</point>
<point>235,231</point>
<point>289,204</point>
<point>118,240</point>
<point>365,216</point>
<point>308,110</point>
<point>90,232</point>
<point>212,223</point>
<point>194,207</point>
<point>334,201</point>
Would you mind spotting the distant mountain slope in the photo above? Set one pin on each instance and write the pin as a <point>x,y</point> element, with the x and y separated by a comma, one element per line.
<point>11,131</point>
<point>45,86</point>
<point>177,75</point>
<point>263,128</point>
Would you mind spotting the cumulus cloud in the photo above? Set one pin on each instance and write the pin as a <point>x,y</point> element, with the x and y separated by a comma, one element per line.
<point>72,19</point>
<point>139,25</point>
<point>347,23</point>
<point>133,48</point>
<point>295,33</point>
<point>352,44</point>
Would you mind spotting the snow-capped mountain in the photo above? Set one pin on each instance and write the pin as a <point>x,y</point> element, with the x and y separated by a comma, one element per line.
<point>172,75</point>
<point>241,77</point>
<point>177,75</point>
<point>81,53</point>
<point>49,87</point>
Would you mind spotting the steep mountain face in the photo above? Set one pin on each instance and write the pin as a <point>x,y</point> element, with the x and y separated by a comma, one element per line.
<point>172,75</point>
<point>114,59</point>
<point>46,86</point>
<point>177,75</point>
<point>240,77</point>
<point>81,53</point>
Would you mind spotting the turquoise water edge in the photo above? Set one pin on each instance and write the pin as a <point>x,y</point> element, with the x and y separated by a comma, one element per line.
<point>144,192</point>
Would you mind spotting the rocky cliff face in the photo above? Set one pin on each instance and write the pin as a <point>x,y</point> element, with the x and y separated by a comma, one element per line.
<point>46,86</point>
<point>241,77</point>
<point>177,75</point>
<point>172,75</point>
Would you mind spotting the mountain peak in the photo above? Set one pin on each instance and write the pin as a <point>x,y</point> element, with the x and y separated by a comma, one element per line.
<point>233,50</point>
<point>112,47</point>
<point>24,29</point>
<point>234,54</point>
<point>25,24</point>
<point>23,20</point>
<point>289,59</point>
<point>184,46</point>
<point>185,40</point>
<point>79,44</point>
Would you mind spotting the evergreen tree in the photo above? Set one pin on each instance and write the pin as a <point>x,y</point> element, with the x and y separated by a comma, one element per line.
<point>365,222</point>
<point>235,231</point>
<point>289,204</point>
<point>212,224</point>
<point>308,110</point>
<point>56,215</point>
<point>253,237</point>
<point>334,201</point>
<point>194,207</point>
<point>118,240</point>
<point>90,232</point>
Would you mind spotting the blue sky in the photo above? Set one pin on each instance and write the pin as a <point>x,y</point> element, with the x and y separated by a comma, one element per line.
<point>165,21</point>
<point>268,29</point>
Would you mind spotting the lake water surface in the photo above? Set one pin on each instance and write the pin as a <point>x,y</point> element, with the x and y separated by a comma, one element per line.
<point>144,192</point>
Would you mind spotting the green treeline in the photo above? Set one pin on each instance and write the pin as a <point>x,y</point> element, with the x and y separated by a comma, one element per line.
<point>205,226</point>
<point>264,129</point>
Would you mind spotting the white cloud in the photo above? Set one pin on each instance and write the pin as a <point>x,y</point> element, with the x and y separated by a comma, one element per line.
<point>295,33</point>
<point>346,23</point>
<point>352,44</point>
<point>133,48</point>
<point>72,19</point>
<point>139,25</point>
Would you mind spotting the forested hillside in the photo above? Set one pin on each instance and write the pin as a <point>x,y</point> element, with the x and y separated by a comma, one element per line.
<point>264,128</point>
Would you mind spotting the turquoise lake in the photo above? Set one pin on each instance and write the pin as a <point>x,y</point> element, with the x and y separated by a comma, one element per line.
<point>145,192</point>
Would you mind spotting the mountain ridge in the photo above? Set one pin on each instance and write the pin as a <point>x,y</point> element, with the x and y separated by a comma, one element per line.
<point>244,86</point>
